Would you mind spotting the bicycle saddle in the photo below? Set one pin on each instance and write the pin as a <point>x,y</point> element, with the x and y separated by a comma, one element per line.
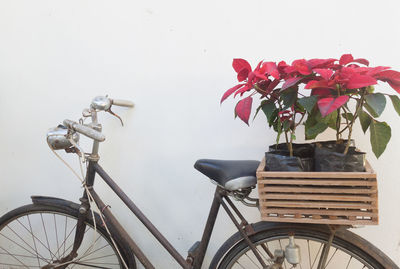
<point>231,175</point>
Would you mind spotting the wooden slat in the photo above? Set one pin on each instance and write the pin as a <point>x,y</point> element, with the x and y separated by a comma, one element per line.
<point>295,189</point>
<point>294,211</point>
<point>322,221</point>
<point>345,198</point>
<point>317,197</point>
<point>318,182</point>
<point>304,204</point>
<point>316,174</point>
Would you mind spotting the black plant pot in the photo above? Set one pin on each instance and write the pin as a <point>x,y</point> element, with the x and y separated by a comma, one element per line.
<point>333,144</point>
<point>329,157</point>
<point>303,150</point>
<point>280,160</point>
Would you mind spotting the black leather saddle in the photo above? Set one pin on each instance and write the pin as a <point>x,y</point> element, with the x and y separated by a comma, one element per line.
<point>231,175</point>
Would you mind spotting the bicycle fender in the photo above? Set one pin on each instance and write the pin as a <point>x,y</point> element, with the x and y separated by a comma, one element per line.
<point>344,234</point>
<point>53,201</point>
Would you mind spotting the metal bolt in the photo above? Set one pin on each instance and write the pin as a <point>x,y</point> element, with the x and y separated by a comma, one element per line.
<point>82,210</point>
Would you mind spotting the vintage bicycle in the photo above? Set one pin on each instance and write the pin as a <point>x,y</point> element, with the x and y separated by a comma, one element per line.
<point>56,233</point>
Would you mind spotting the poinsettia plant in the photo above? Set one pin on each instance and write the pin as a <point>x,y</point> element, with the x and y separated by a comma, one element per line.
<point>332,93</point>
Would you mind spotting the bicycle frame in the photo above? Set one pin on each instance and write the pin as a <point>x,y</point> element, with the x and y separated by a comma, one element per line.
<point>196,254</point>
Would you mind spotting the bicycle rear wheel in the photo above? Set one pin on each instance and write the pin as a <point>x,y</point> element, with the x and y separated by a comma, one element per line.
<point>35,236</point>
<point>343,253</point>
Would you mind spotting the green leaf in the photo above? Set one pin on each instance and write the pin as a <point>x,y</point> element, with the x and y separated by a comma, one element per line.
<point>278,130</point>
<point>289,97</point>
<point>268,107</point>
<point>276,122</point>
<point>370,110</point>
<point>311,121</point>
<point>313,131</point>
<point>380,136</point>
<point>376,102</point>
<point>286,125</point>
<point>396,103</point>
<point>278,137</point>
<point>308,102</point>
<point>349,116</point>
<point>365,120</point>
<point>257,110</point>
<point>273,118</point>
<point>299,108</point>
<point>331,119</point>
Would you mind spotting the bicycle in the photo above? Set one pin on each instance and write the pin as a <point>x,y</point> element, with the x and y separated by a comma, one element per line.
<point>57,233</point>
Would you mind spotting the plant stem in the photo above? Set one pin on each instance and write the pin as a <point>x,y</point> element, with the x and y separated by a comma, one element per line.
<point>286,136</point>
<point>302,117</point>
<point>348,140</point>
<point>287,139</point>
<point>301,94</point>
<point>358,107</point>
<point>259,90</point>
<point>338,125</point>
<point>338,116</point>
<point>351,97</point>
<point>347,120</point>
<point>344,129</point>
<point>292,132</point>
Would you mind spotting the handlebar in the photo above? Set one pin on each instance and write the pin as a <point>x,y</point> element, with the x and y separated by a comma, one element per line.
<point>103,103</point>
<point>99,103</point>
<point>85,130</point>
<point>60,137</point>
<point>120,102</point>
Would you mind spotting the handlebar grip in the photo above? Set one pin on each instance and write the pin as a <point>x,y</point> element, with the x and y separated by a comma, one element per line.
<point>85,130</point>
<point>120,102</point>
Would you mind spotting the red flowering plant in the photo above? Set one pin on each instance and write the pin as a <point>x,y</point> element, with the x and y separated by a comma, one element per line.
<point>335,94</point>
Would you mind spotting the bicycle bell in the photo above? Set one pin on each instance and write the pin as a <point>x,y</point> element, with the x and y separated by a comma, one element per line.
<point>57,137</point>
<point>102,103</point>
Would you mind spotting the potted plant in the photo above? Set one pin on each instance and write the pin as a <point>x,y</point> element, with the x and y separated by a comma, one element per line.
<point>321,94</point>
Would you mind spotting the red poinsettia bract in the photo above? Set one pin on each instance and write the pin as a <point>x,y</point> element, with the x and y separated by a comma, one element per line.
<point>331,80</point>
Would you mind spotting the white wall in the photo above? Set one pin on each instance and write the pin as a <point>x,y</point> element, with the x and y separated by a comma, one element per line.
<point>173,59</point>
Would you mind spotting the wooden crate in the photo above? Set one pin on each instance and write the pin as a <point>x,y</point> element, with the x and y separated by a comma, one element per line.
<point>345,198</point>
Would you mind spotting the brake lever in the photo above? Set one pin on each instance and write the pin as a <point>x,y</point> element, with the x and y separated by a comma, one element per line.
<point>114,114</point>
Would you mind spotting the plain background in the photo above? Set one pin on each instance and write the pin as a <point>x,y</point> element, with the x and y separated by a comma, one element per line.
<point>173,59</point>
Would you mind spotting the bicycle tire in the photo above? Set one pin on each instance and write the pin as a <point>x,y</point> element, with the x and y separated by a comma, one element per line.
<point>356,250</point>
<point>24,244</point>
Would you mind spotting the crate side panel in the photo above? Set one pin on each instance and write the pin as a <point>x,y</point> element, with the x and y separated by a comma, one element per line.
<point>318,197</point>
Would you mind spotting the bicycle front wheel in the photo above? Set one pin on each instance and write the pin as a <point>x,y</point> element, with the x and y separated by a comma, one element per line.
<point>312,243</point>
<point>39,236</point>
